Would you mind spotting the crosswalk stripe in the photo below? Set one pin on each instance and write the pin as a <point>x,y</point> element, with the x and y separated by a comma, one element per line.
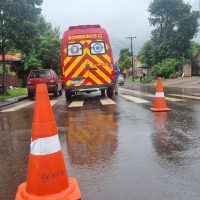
<point>185,96</point>
<point>173,99</point>
<point>25,104</point>
<point>107,101</point>
<point>198,94</point>
<point>76,104</point>
<point>15,108</point>
<point>134,99</point>
<point>150,95</point>
<point>53,102</point>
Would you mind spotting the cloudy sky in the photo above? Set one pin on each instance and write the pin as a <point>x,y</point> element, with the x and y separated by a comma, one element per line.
<point>121,18</point>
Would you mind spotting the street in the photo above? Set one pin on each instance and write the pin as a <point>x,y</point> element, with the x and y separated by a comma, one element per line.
<point>117,149</point>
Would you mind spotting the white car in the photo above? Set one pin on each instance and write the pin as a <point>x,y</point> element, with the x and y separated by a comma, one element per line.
<point>120,79</point>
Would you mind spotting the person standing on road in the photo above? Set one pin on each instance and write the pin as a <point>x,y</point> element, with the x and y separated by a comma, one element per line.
<point>144,76</point>
<point>141,76</point>
<point>117,72</point>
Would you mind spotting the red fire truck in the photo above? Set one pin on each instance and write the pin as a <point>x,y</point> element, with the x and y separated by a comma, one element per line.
<point>87,61</point>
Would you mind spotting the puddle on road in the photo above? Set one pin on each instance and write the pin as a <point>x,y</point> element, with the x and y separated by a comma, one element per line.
<point>91,136</point>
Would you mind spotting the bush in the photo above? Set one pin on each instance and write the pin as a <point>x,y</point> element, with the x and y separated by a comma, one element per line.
<point>174,75</point>
<point>166,68</point>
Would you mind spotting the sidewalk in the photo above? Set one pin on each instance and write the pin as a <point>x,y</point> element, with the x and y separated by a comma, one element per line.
<point>185,85</point>
<point>13,100</point>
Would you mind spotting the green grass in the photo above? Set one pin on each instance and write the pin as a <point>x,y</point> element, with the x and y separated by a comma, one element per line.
<point>129,80</point>
<point>137,80</point>
<point>13,93</point>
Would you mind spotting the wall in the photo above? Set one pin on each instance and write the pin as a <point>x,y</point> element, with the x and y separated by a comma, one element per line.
<point>10,81</point>
<point>187,69</point>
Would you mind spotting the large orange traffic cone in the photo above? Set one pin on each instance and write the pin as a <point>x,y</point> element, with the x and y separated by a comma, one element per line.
<point>47,176</point>
<point>159,101</point>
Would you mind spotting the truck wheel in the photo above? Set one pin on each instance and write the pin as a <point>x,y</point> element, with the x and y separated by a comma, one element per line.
<point>30,95</point>
<point>56,92</point>
<point>68,95</point>
<point>60,92</point>
<point>110,92</point>
<point>102,93</point>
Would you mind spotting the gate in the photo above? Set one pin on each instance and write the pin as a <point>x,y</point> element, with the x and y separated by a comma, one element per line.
<point>195,68</point>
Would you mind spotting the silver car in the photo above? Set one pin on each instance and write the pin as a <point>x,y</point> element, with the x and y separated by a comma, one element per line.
<point>120,79</point>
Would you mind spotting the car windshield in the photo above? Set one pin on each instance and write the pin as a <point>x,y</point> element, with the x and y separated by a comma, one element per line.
<point>40,74</point>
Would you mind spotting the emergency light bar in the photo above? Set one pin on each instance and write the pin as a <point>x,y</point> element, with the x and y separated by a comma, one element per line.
<point>84,27</point>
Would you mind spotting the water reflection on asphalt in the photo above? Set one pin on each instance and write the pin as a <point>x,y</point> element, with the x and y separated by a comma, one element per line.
<point>121,151</point>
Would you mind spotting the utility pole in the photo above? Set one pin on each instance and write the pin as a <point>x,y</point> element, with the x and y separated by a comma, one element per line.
<point>132,62</point>
<point>2,49</point>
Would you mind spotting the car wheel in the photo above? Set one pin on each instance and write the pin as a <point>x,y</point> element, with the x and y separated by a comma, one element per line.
<point>60,92</point>
<point>102,93</point>
<point>68,95</point>
<point>30,95</point>
<point>110,92</point>
<point>56,92</point>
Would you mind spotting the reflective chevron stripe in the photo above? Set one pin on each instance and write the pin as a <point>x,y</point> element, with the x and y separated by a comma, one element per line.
<point>160,94</point>
<point>76,67</point>
<point>45,146</point>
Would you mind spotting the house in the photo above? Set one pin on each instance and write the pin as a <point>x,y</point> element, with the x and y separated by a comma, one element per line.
<point>10,77</point>
<point>139,67</point>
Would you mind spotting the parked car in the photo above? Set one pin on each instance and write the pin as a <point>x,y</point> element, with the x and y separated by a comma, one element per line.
<point>48,76</point>
<point>120,79</point>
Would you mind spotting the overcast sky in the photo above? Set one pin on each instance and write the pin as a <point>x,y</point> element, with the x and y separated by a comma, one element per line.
<point>121,18</point>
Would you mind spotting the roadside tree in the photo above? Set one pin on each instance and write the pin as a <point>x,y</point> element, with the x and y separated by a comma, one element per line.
<point>124,59</point>
<point>146,54</point>
<point>17,26</point>
<point>175,25</point>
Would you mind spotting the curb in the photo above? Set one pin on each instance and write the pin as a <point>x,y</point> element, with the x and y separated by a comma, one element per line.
<point>12,101</point>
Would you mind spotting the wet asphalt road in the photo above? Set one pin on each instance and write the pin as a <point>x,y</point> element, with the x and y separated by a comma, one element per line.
<point>117,152</point>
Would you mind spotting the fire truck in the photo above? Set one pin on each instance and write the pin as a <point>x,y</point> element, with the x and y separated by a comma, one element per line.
<point>87,61</point>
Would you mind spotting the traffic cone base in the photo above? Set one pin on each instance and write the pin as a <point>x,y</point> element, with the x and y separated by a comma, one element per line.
<point>71,193</point>
<point>159,101</point>
<point>160,110</point>
<point>160,105</point>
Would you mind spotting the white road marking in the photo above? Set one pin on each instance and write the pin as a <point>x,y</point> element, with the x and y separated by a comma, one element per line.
<point>173,99</point>
<point>53,102</point>
<point>107,101</point>
<point>76,104</point>
<point>135,92</point>
<point>185,96</point>
<point>134,99</point>
<point>198,94</point>
<point>150,95</point>
<point>15,108</point>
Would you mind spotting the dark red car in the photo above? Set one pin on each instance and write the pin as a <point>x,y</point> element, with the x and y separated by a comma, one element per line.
<point>48,76</point>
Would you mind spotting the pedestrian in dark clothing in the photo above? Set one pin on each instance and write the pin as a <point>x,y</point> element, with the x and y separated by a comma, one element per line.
<point>117,72</point>
<point>141,75</point>
<point>144,75</point>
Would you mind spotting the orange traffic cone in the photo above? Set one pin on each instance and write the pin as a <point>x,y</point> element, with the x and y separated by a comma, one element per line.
<point>159,101</point>
<point>47,176</point>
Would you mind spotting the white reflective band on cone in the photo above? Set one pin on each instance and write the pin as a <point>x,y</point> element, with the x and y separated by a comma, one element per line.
<point>160,94</point>
<point>44,146</point>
